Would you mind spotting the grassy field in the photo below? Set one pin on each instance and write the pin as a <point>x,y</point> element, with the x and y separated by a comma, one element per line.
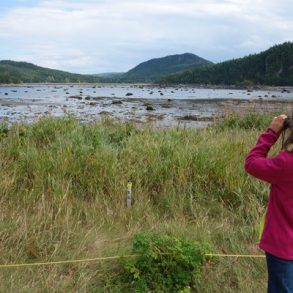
<point>63,196</point>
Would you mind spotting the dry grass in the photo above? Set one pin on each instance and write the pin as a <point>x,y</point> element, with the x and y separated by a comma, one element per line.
<point>63,196</point>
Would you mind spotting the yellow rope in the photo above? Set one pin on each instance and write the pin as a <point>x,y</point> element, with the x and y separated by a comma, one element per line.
<point>111,258</point>
<point>236,255</point>
<point>66,261</point>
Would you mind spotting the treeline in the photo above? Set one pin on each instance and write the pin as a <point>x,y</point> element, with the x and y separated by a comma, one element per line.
<point>23,72</point>
<point>271,67</point>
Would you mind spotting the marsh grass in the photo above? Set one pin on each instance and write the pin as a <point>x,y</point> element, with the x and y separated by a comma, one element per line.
<point>63,196</point>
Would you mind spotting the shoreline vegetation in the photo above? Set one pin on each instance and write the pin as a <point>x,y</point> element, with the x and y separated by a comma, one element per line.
<point>63,196</point>
<point>157,84</point>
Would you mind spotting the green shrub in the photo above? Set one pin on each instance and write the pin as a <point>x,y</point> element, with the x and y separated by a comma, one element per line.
<point>249,121</point>
<point>164,264</point>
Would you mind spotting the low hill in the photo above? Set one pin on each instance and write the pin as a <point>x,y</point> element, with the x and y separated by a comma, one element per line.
<point>23,72</point>
<point>271,67</point>
<point>153,69</point>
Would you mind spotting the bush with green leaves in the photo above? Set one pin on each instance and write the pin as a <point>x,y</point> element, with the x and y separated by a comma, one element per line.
<point>164,263</point>
<point>249,121</point>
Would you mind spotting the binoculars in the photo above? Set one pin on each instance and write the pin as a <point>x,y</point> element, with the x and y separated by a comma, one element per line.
<point>287,123</point>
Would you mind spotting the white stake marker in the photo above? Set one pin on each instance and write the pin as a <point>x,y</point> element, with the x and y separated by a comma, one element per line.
<point>129,194</point>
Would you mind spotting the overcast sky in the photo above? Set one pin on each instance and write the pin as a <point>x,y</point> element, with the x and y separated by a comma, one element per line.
<point>90,36</point>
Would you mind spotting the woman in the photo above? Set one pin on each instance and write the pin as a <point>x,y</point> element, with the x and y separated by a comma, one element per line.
<point>277,236</point>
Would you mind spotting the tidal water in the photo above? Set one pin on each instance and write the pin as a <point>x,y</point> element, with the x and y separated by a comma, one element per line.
<point>139,103</point>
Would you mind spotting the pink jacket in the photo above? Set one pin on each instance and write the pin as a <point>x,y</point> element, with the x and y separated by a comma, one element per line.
<point>277,236</point>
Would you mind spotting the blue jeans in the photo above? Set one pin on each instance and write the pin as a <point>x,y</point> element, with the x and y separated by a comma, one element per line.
<point>280,274</point>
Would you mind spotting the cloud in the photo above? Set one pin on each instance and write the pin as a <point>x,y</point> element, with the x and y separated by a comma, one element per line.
<point>114,35</point>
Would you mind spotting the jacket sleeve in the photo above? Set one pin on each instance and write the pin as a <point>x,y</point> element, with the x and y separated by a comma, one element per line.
<point>258,165</point>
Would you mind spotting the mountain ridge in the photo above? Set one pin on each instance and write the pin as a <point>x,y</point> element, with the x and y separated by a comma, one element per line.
<point>154,68</point>
<point>25,72</point>
<point>273,66</point>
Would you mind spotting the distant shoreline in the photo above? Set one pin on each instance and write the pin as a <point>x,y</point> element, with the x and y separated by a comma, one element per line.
<point>195,86</point>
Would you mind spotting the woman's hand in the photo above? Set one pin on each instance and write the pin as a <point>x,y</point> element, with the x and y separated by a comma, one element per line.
<point>277,123</point>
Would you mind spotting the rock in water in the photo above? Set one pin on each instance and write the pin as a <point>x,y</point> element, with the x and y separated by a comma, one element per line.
<point>116,102</point>
<point>150,108</point>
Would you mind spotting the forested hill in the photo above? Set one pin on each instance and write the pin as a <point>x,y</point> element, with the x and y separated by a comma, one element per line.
<point>271,67</point>
<point>23,72</point>
<point>153,69</point>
